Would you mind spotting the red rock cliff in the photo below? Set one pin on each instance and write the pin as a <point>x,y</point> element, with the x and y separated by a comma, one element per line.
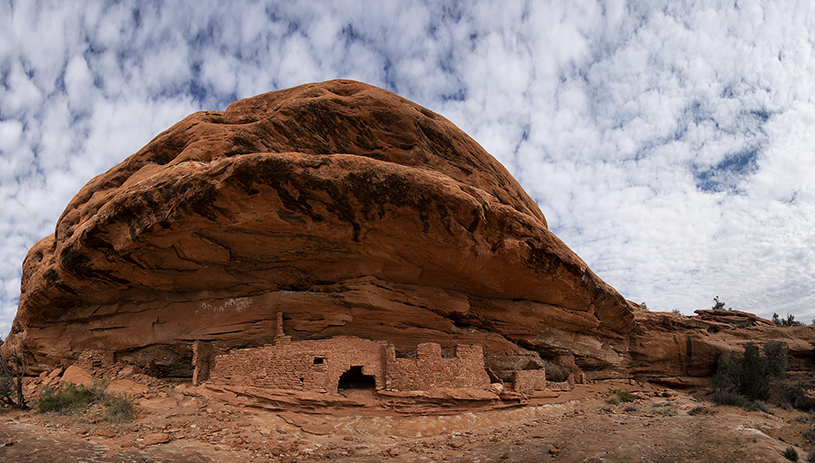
<point>350,209</point>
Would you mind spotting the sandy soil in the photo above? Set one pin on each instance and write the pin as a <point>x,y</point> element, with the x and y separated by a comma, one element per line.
<point>180,423</point>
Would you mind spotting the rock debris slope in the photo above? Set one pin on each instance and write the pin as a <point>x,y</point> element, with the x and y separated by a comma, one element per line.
<point>350,209</point>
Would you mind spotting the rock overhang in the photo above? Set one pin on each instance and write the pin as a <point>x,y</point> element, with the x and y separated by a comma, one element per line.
<point>309,190</point>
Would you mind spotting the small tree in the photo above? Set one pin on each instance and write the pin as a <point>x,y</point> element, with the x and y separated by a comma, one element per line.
<point>11,378</point>
<point>754,383</point>
<point>728,372</point>
<point>786,322</point>
<point>742,377</point>
<point>717,304</point>
<point>775,358</point>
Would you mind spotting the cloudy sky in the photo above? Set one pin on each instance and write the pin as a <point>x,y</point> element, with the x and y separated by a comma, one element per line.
<point>671,144</point>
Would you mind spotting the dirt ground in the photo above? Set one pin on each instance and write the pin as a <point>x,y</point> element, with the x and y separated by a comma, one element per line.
<point>181,423</point>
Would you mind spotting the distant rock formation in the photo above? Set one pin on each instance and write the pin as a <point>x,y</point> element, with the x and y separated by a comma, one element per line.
<point>672,348</point>
<point>354,211</point>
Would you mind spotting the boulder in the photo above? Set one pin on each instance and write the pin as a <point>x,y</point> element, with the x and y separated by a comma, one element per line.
<point>159,403</point>
<point>126,387</point>
<point>156,438</point>
<point>346,207</point>
<point>77,375</point>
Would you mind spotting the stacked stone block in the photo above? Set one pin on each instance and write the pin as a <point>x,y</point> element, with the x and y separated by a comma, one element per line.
<point>429,370</point>
<point>313,365</point>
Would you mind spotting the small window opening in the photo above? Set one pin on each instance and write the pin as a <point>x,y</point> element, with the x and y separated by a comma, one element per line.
<point>355,379</point>
<point>319,360</point>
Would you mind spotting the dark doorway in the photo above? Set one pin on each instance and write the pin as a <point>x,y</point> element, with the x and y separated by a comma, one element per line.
<point>354,379</point>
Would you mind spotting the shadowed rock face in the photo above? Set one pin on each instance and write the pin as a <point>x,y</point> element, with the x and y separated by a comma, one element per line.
<point>349,209</point>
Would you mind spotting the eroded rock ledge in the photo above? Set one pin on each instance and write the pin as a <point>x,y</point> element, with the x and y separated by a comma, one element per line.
<point>352,210</point>
<point>356,213</point>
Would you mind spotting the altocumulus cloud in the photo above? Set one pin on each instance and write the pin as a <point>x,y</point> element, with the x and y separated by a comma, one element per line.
<point>667,142</point>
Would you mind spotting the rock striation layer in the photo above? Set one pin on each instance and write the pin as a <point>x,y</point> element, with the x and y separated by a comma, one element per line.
<point>346,207</point>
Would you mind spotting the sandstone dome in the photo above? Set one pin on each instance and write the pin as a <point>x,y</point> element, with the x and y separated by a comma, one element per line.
<point>351,210</point>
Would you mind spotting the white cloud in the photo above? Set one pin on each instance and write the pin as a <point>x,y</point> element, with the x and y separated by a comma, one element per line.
<point>668,143</point>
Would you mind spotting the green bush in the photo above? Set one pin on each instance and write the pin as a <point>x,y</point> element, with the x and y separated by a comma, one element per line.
<point>790,454</point>
<point>795,396</point>
<point>663,410</point>
<point>775,358</point>
<point>718,305</point>
<point>725,397</point>
<point>754,383</point>
<point>69,397</point>
<point>753,405</point>
<point>786,322</point>
<point>699,410</point>
<point>119,409</point>
<point>624,396</point>
<point>72,397</point>
<point>748,377</point>
<point>728,371</point>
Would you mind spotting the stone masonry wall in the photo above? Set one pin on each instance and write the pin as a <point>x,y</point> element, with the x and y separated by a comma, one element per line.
<point>530,380</point>
<point>312,365</point>
<point>429,370</point>
<point>317,365</point>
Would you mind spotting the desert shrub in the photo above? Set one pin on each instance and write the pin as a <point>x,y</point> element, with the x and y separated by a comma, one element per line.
<point>663,410</point>
<point>69,397</point>
<point>809,435</point>
<point>775,358</point>
<point>795,396</point>
<point>556,372</point>
<point>73,397</point>
<point>717,304</point>
<point>749,375</point>
<point>12,372</point>
<point>790,454</point>
<point>753,405</point>
<point>726,397</point>
<point>727,373</point>
<point>754,383</point>
<point>624,396</point>
<point>699,410</point>
<point>811,456</point>
<point>630,408</point>
<point>786,322</point>
<point>119,408</point>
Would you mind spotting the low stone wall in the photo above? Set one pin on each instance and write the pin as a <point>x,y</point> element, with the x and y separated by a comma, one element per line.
<point>313,365</point>
<point>530,380</point>
<point>319,365</point>
<point>429,370</point>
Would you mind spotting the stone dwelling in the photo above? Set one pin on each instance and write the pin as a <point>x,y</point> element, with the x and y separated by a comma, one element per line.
<point>326,365</point>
